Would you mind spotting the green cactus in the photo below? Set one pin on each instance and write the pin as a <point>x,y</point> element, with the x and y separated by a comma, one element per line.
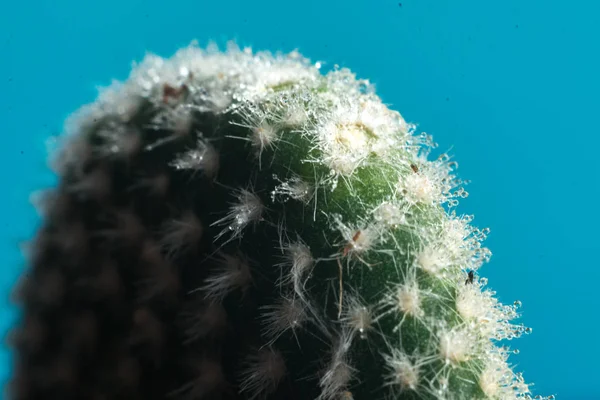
<point>239,225</point>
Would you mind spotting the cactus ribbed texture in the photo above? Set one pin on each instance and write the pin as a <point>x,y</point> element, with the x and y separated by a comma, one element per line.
<point>239,225</point>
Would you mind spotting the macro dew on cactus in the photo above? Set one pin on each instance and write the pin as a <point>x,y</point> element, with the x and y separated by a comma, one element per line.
<point>239,225</point>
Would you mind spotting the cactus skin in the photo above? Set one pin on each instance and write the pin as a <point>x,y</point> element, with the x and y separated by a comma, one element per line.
<point>238,225</point>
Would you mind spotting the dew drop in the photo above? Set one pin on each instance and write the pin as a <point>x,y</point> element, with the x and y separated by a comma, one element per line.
<point>528,330</point>
<point>518,303</point>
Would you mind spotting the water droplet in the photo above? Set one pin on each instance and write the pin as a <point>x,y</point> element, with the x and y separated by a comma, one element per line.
<point>528,330</point>
<point>443,157</point>
<point>516,351</point>
<point>551,397</point>
<point>518,303</point>
<point>483,281</point>
<point>519,376</point>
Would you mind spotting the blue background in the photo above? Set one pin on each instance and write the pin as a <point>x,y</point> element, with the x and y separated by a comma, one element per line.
<point>513,86</point>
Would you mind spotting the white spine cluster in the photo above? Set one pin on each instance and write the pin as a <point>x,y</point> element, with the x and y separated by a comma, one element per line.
<point>232,273</point>
<point>339,372</point>
<point>287,314</point>
<point>203,158</point>
<point>181,233</point>
<point>404,371</point>
<point>246,210</point>
<point>297,265</point>
<point>357,316</point>
<point>261,373</point>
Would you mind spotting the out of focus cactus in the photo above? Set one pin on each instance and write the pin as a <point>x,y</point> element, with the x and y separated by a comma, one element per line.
<point>239,225</point>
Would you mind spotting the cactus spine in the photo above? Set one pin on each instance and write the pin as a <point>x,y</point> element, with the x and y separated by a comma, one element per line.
<point>239,225</point>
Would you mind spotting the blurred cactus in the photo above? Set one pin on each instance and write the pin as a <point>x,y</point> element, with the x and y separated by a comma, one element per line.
<point>239,225</point>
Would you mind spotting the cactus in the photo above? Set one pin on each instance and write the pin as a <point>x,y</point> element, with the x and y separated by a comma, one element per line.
<point>240,225</point>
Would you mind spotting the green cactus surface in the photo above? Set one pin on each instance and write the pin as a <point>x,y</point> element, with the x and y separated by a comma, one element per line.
<point>239,225</point>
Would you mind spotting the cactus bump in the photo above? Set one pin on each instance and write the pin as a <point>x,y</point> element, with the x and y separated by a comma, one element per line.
<point>239,225</point>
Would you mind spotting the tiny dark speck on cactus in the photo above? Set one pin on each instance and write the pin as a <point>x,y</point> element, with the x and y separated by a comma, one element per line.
<point>240,226</point>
